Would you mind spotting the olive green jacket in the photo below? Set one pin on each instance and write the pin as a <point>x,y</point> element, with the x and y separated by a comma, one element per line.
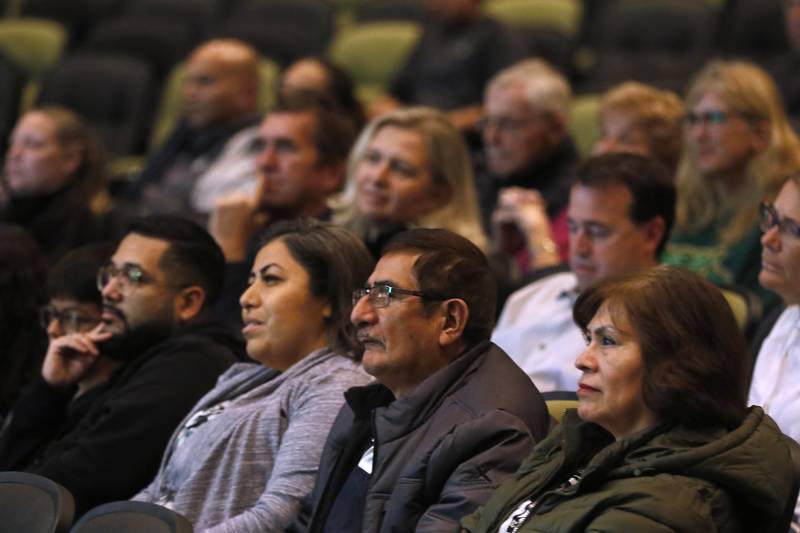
<point>659,480</point>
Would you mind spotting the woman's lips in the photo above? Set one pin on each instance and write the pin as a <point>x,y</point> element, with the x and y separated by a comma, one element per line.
<point>250,326</point>
<point>586,389</point>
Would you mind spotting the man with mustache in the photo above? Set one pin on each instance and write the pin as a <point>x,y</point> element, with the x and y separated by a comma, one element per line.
<point>105,442</point>
<point>621,208</point>
<point>450,417</point>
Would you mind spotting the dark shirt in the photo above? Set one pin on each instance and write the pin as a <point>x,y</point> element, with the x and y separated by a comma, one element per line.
<point>107,444</point>
<point>550,176</point>
<point>450,66</point>
<point>348,507</point>
<point>168,169</point>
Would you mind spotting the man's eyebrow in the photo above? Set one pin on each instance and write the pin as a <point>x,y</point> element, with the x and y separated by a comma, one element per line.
<point>127,264</point>
<point>388,282</point>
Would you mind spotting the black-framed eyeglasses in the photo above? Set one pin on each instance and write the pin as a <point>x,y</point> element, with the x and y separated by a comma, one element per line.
<point>381,295</point>
<point>128,277</point>
<point>769,218</point>
<point>71,320</point>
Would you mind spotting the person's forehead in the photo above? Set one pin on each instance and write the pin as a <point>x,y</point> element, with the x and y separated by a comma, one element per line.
<point>140,250</point>
<point>298,126</point>
<point>508,96</point>
<point>65,303</point>
<point>611,201</point>
<point>397,269</point>
<point>787,203</point>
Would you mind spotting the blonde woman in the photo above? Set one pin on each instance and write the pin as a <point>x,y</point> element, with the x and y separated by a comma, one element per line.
<point>738,147</point>
<point>409,168</point>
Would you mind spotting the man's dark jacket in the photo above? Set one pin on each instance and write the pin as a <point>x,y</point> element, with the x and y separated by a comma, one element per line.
<point>439,452</point>
<point>107,444</point>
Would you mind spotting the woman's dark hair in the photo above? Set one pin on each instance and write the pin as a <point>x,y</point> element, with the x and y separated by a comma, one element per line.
<point>75,274</point>
<point>337,263</point>
<point>694,354</point>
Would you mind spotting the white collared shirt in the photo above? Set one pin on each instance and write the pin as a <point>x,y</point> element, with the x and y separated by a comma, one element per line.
<point>537,331</point>
<point>776,377</point>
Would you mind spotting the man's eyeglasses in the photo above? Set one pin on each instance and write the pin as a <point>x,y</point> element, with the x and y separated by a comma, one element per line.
<point>128,277</point>
<point>769,218</point>
<point>71,320</point>
<point>381,295</point>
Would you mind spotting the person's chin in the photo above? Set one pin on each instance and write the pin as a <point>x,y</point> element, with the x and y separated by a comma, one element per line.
<point>373,360</point>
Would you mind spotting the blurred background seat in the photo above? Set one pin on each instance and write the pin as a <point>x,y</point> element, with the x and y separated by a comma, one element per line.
<point>113,93</point>
<point>372,53</point>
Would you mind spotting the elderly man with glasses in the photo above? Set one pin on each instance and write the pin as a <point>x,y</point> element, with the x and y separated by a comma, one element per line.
<point>776,378</point>
<point>450,417</point>
<point>116,383</point>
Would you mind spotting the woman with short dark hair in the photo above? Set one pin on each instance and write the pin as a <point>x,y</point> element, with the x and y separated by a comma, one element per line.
<point>662,439</point>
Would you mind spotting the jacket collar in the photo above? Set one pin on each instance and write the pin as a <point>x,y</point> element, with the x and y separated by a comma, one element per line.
<point>405,414</point>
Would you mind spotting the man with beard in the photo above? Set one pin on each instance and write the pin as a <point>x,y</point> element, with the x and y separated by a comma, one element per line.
<point>104,442</point>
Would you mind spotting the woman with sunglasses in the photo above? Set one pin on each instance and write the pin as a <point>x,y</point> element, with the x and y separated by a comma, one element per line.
<point>776,377</point>
<point>248,452</point>
<point>738,145</point>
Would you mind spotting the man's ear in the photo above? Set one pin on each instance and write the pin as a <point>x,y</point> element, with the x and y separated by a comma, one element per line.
<point>456,315</point>
<point>331,178</point>
<point>654,231</point>
<point>188,303</point>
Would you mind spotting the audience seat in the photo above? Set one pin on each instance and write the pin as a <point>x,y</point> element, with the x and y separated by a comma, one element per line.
<point>169,107</point>
<point>132,517</point>
<point>159,42</point>
<point>198,15</point>
<point>31,503</point>
<point>746,307</point>
<point>660,42</point>
<point>113,93</point>
<point>372,53</point>
<point>314,20</point>
<point>390,10</point>
<point>271,38</point>
<point>78,16</point>
<point>753,30</point>
<point>563,15</point>
<point>34,46</point>
<point>559,401</point>
<point>584,122</point>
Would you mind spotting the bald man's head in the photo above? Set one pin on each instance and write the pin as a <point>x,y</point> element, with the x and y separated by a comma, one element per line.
<point>221,83</point>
